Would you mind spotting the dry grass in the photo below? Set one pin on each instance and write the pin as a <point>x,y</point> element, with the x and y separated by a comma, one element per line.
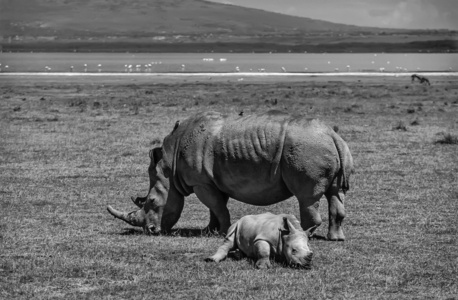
<point>447,138</point>
<point>69,148</point>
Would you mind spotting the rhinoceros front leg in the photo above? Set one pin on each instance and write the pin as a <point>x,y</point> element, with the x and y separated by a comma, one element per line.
<point>336,214</point>
<point>216,201</point>
<point>213,225</point>
<point>262,251</point>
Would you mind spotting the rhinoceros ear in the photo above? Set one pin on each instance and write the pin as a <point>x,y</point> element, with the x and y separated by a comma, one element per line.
<point>156,154</point>
<point>287,227</point>
<point>177,123</point>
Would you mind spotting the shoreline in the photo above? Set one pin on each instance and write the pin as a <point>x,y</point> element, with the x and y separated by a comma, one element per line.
<point>232,74</point>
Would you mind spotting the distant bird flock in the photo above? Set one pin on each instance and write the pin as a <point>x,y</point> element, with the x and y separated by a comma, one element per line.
<point>155,67</point>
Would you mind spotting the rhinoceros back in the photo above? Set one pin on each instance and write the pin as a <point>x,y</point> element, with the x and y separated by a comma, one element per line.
<point>247,152</point>
<point>244,155</point>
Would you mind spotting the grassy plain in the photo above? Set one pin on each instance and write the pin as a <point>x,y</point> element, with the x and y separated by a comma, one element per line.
<point>70,146</point>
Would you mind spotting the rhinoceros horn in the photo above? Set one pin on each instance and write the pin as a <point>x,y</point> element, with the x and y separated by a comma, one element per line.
<point>134,218</point>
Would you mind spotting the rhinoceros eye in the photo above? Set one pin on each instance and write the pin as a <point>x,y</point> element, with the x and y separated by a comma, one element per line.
<point>294,251</point>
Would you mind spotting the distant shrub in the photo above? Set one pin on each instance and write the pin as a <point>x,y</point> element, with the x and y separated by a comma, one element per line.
<point>401,126</point>
<point>447,139</point>
<point>410,110</point>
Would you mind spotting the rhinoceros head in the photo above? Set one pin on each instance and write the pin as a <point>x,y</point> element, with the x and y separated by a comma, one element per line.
<point>295,245</point>
<point>162,207</point>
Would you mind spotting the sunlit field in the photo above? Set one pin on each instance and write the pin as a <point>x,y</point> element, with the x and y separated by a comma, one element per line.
<point>70,146</point>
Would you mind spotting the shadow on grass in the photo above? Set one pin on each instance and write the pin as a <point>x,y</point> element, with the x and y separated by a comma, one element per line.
<point>318,237</point>
<point>182,232</point>
<point>194,232</point>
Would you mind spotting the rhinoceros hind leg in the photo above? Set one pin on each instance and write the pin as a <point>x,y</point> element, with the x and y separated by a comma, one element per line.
<point>217,203</point>
<point>262,250</point>
<point>336,214</point>
<point>310,215</point>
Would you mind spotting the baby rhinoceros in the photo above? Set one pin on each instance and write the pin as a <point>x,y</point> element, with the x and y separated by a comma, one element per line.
<point>267,236</point>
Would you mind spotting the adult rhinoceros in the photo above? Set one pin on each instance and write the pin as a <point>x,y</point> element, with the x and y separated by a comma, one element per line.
<point>256,159</point>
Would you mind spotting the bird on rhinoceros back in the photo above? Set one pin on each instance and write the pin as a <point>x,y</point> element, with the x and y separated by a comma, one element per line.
<point>256,159</point>
<point>266,236</point>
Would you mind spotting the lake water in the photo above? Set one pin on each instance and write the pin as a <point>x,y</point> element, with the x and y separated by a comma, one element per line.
<point>225,62</point>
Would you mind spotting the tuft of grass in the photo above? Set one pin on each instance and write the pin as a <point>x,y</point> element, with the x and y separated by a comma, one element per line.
<point>401,126</point>
<point>127,153</point>
<point>448,139</point>
<point>156,141</point>
<point>415,122</point>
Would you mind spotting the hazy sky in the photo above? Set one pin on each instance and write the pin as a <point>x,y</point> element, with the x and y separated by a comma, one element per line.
<point>416,14</point>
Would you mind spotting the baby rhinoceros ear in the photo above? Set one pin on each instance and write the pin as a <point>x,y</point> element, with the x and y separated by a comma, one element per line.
<point>287,227</point>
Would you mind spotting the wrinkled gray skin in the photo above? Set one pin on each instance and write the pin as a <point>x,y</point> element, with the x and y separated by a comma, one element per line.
<point>256,159</point>
<point>267,236</point>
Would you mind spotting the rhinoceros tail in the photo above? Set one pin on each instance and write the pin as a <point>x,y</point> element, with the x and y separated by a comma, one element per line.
<point>346,162</point>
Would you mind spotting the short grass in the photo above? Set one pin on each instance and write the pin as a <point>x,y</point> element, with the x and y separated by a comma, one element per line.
<point>70,147</point>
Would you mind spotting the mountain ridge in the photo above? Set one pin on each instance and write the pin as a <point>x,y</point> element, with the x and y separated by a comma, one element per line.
<point>51,23</point>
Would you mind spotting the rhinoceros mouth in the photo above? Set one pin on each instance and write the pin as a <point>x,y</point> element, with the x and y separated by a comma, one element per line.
<point>153,230</point>
<point>305,263</point>
<point>302,265</point>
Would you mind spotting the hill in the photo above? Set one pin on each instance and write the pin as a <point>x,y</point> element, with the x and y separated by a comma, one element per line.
<point>185,25</point>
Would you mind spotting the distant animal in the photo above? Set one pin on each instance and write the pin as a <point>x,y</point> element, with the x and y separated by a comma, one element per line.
<point>256,159</point>
<point>420,78</point>
<point>267,236</point>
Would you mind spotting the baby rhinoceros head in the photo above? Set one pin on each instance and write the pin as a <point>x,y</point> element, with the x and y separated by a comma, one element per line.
<point>295,246</point>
